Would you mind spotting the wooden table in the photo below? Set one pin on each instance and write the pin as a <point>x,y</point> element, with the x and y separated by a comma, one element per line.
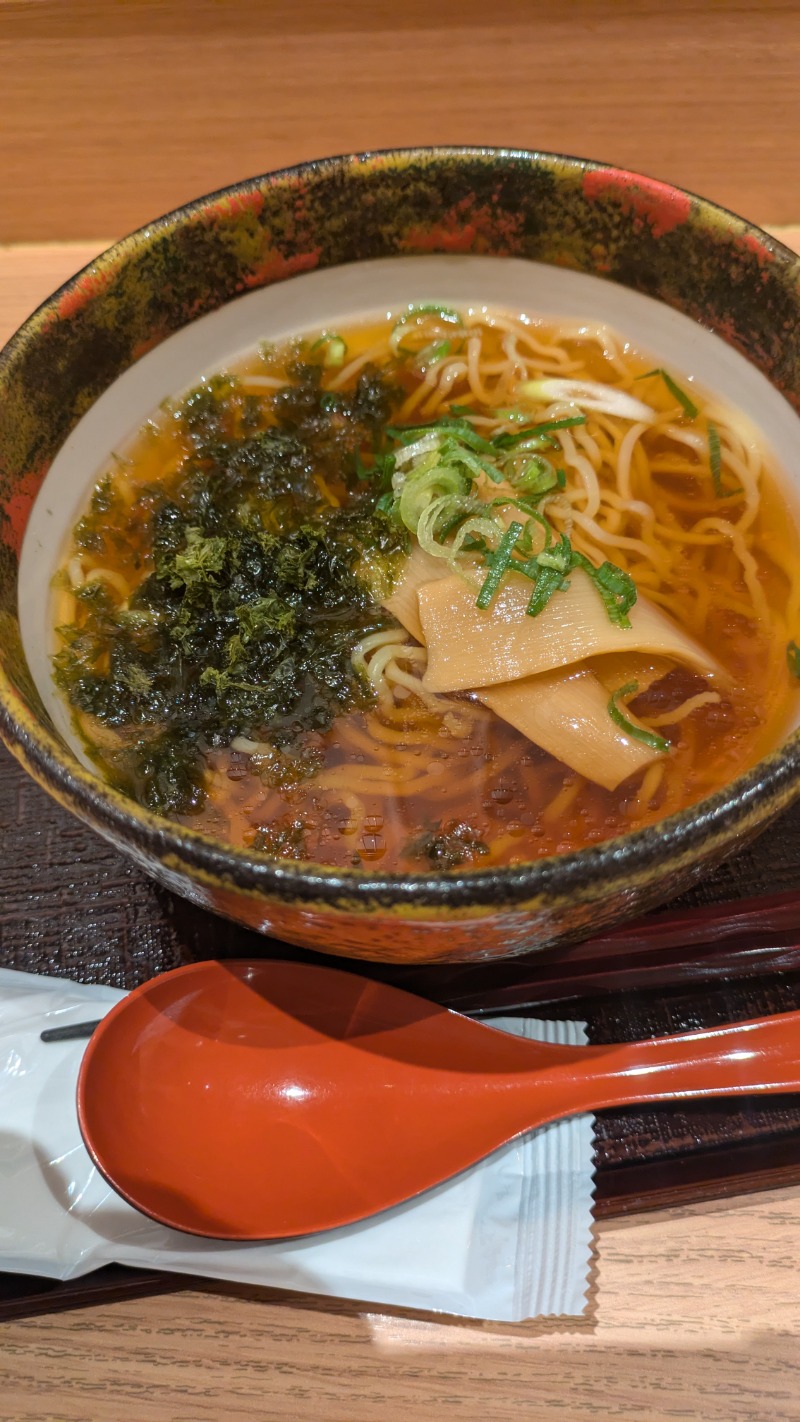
<point>694,1313</point>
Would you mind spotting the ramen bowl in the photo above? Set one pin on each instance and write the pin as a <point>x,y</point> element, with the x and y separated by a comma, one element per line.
<point>305,248</point>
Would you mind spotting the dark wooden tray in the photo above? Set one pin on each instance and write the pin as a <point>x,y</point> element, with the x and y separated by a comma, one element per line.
<point>72,907</point>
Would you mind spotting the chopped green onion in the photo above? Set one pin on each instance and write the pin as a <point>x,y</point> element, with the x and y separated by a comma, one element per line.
<point>457,429</point>
<point>430,308</point>
<point>547,528</point>
<point>335,354</point>
<point>498,563</point>
<point>715,461</point>
<point>410,316</point>
<point>793,658</point>
<point>419,490</point>
<point>546,427</point>
<point>558,557</point>
<point>616,588</point>
<point>473,440</point>
<point>362,472</point>
<point>538,477</point>
<point>548,581</point>
<point>527,567</point>
<point>334,347</point>
<point>472,544</point>
<point>440,512</point>
<point>431,354</point>
<point>715,458</point>
<point>648,738</point>
<point>455,451</point>
<point>591,395</point>
<point>528,506</point>
<point>686,403</point>
<point>566,423</point>
<point>426,444</point>
<point>384,464</point>
<point>452,524</point>
<point>618,583</point>
<point>478,528</point>
<point>436,467</point>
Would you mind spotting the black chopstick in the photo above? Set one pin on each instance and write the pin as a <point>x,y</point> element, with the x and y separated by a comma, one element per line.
<point>66,1034</point>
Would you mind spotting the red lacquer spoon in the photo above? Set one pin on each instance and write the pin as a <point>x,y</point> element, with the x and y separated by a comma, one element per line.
<point>260,1100</point>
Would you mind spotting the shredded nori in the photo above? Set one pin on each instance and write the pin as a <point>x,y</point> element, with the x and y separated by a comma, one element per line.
<point>252,599</point>
<point>448,845</point>
<point>284,839</point>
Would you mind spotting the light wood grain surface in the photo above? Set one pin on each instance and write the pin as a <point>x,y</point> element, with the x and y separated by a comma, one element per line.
<point>695,1313</point>
<point>111,113</point>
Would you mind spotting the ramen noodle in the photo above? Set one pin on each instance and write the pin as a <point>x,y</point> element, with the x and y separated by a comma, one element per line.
<point>451,590</point>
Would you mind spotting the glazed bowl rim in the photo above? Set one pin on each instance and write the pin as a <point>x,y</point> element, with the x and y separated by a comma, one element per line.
<point>746,801</point>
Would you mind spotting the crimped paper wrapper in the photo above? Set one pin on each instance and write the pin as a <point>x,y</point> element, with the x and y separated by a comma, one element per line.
<point>507,1240</point>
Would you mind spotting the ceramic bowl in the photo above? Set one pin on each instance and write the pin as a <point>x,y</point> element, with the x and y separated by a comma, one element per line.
<point>700,288</point>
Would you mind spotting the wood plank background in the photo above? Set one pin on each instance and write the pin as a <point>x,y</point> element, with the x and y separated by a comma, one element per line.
<point>113,112</point>
<point>694,1315</point>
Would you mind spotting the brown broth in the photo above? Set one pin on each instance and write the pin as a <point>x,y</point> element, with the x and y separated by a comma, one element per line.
<point>512,796</point>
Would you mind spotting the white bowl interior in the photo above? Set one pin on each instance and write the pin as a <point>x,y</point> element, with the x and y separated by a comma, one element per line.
<point>331,298</point>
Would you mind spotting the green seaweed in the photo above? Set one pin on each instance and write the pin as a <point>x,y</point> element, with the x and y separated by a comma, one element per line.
<point>253,594</point>
<point>448,845</point>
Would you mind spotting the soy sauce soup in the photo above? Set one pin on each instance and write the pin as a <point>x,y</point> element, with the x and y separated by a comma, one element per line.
<point>228,635</point>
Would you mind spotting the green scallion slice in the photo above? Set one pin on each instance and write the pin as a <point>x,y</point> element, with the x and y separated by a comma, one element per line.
<point>715,462</point>
<point>559,557</point>
<point>430,308</point>
<point>538,477</point>
<point>616,588</point>
<point>455,428</point>
<point>589,395</point>
<point>793,658</point>
<point>548,581</point>
<point>685,401</point>
<point>431,354</point>
<point>362,471</point>
<point>335,349</point>
<point>410,318</point>
<point>499,562</point>
<point>546,427</point>
<point>453,450</point>
<point>715,458</point>
<point>647,738</point>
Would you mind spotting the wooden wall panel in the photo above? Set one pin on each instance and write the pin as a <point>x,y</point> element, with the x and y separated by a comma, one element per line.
<point>111,113</point>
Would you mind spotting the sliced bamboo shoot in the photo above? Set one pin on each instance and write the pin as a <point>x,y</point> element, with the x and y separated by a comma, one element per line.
<point>468,648</point>
<point>566,713</point>
<point>418,569</point>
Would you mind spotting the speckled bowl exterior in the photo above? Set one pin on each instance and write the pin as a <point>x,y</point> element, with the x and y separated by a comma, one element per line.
<point>655,239</point>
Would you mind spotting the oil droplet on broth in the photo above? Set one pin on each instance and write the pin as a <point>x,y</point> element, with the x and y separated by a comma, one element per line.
<point>372,846</point>
<point>502,795</point>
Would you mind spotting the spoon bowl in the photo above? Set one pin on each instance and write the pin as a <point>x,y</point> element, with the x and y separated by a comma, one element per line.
<point>261,1100</point>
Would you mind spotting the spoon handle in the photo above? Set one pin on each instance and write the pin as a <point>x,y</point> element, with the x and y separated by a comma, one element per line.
<point>743,1058</point>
